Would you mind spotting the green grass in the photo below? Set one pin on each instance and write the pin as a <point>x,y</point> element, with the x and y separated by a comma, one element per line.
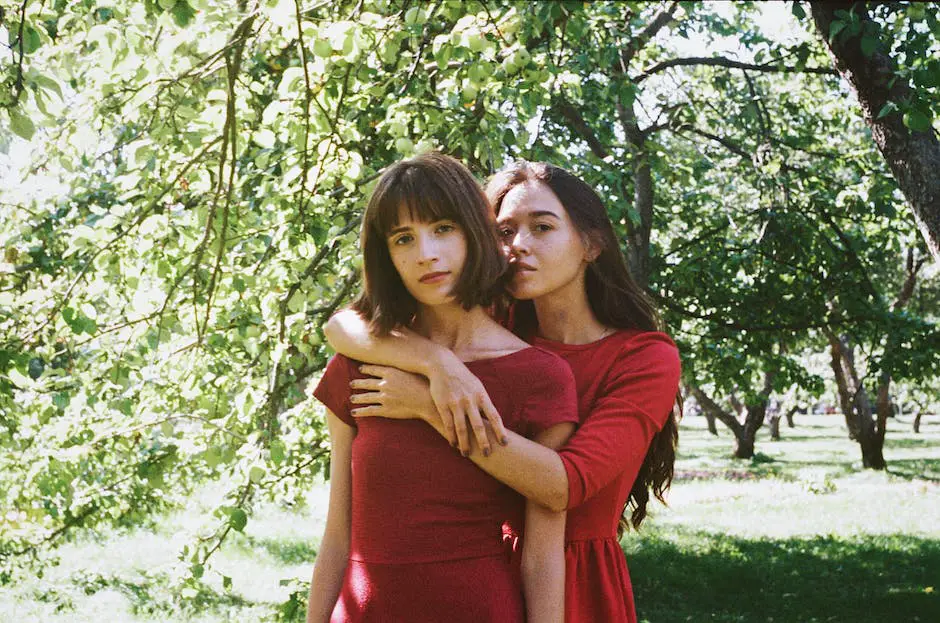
<point>799,534</point>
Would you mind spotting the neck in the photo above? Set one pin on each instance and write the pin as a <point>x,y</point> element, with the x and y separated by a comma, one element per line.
<point>565,315</point>
<point>450,325</point>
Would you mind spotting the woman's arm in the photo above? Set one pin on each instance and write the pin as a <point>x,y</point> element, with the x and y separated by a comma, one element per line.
<point>530,468</point>
<point>459,396</point>
<point>332,558</point>
<point>543,550</point>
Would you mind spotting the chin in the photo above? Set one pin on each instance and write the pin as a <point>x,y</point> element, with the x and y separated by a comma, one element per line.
<point>523,293</point>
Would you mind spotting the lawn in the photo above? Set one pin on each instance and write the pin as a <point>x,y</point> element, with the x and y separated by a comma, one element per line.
<point>799,534</point>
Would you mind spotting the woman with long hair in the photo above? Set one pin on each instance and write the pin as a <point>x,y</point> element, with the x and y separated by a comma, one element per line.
<point>574,297</point>
<point>414,531</point>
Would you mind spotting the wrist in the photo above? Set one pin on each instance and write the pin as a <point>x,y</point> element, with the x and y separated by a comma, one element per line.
<point>439,360</point>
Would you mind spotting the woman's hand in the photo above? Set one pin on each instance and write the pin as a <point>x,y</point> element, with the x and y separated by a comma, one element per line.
<point>392,393</point>
<point>460,398</point>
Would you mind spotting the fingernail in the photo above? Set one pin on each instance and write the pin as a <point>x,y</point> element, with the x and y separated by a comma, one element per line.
<point>504,441</point>
<point>486,451</point>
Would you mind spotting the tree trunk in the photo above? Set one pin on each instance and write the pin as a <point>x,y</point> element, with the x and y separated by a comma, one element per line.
<point>638,251</point>
<point>774,423</point>
<point>710,419</point>
<point>913,157</point>
<point>917,421</point>
<point>856,407</point>
<point>789,415</point>
<point>746,432</point>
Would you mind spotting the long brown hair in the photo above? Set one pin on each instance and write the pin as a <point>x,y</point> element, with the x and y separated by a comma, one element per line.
<point>431,187</point>
<point>615,298</point>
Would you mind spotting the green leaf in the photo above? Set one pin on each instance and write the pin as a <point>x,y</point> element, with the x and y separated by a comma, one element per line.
<point>835,28</point>
<point>48,83</point>
<point>869,45</point>
<point>798,10</point>
<point>21,124</point>
<point>31,40</point>
<point>255,474</point>
<point>277,451</point>
<point>226,582</point>
<point>182,13</point>
<point>887,109</point>
<point>238,519</point>
<point>917,121</point>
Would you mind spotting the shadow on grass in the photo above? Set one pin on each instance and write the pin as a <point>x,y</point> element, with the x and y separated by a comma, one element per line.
<point>286,551</point>
<point>703,576</point>
<point>915,469</point>
<point>910,442</point>
<point>150,593</point>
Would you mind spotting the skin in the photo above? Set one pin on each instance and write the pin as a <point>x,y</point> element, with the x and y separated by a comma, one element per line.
<point>419,379</point>
<point>429,258</point>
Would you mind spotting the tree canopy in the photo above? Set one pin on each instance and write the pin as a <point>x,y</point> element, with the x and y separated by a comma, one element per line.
<point>191,175</point>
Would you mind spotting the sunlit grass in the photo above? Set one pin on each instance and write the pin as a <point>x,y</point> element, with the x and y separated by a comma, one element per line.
<point>798,534</point>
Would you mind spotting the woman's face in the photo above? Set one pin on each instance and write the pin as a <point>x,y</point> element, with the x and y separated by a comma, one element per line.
<point>429,257</point>
<point>545,249</point>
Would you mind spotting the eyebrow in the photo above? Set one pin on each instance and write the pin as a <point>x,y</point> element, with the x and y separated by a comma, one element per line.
<point>397,230</point>
<point>538,213</point>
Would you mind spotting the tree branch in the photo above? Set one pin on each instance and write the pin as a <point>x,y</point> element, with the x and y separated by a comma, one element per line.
<point>720,61</point>
<point>574,118</point>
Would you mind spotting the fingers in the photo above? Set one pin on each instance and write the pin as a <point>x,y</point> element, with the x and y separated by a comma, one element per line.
<point>372,384</point>
<point>367,398</point>
<point>479,431</point>
<point>369,411</point>
<point>492,416</point>
<point>460,429</point>
<point>447,422</point>
<point>372,370</point>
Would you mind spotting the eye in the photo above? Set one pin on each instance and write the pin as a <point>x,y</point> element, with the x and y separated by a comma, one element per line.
<point>505,232</point>
<point>444,228</point>
<point>543,227</point>
<point>402,240</point>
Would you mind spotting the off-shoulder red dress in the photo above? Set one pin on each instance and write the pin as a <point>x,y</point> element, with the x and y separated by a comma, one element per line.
<point>429,529</point>
<point>627,385</point>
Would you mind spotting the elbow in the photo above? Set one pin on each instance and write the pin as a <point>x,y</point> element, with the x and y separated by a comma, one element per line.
<point>330,330</point>
<point>558,493</point>
<point>557,501</point>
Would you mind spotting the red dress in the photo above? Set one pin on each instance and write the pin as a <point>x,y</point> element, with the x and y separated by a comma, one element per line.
<point>427,528</point>
<point>627,385</point>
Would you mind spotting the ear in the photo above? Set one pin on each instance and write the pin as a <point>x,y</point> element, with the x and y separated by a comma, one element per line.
<point>592,249</point>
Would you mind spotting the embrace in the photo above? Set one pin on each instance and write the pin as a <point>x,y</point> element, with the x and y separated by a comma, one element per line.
<point>503,404</point>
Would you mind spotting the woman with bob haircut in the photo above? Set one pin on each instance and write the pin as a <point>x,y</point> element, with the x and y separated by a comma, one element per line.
<point>414,531</point>
<point>574,297</point>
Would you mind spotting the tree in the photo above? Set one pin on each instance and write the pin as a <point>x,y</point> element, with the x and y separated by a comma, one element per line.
<point>897,100</point>
<point>160,318</point>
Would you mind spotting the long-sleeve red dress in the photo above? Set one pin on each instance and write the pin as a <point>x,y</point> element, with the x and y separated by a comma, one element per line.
<point>627,384</point>
<point>429,529</point>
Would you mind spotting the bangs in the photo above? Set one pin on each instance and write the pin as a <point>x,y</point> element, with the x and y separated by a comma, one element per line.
<point>423,195</point>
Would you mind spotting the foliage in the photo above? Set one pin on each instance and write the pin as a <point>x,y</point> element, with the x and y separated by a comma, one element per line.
<point>160,314</point>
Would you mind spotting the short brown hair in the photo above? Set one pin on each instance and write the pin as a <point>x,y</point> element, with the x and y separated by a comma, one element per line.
<point>432,187</point>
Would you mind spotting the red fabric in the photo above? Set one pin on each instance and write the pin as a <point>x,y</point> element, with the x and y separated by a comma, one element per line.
<point>627,384</point>
<point>418,504</point>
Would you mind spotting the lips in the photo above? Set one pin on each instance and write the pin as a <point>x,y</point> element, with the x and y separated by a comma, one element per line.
<point>522,266</point>
<point>433,277</point>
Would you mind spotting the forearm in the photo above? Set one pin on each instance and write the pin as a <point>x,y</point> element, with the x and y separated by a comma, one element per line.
<point>543,564</point>
<point>348,333</point>
<point>326,584</point>
<point>534,471</point>
<point>543,583</point>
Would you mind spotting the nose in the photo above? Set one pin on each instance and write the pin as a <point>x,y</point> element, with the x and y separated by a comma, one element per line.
<point>519,244</point>
<point>427,250</point>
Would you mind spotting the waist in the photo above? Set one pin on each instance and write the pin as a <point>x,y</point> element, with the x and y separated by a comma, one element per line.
<point>384,544</point>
